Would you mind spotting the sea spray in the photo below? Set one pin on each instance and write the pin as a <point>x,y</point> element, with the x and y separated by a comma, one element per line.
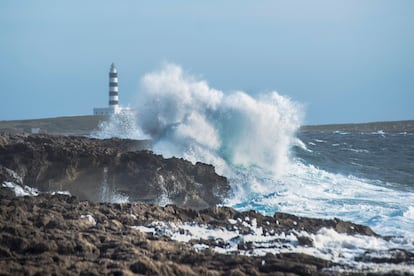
<point>187,118</point>
<point>122,125</point>
<point>236,132</point>
<point>251,140</point>
<point>107,192</point>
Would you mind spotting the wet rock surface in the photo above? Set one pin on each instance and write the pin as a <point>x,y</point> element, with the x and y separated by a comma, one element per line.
<point>60,234</point>
<point>107,170</point>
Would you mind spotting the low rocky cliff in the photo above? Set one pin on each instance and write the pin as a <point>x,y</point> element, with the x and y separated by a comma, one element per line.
<point>60,235</point>
<point>107,170</point>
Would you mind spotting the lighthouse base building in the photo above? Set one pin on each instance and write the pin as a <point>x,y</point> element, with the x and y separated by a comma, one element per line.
<point>113,103</point>
<point>105,111</point>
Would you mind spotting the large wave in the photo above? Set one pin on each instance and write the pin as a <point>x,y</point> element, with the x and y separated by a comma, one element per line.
<point>248,138</point>
<point>187,118</point>
<point>244,136</point>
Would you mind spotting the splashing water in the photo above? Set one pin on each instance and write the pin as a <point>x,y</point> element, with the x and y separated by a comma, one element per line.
<point>187,118</point>
<point>121,125</point>
<point>236,132</point>
<point>249,140</point>
<point>107,191</point>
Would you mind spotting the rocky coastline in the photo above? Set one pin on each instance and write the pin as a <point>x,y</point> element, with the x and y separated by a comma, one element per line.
<point>59,234</point>
<point>79,233</point>
<point>108,170</point>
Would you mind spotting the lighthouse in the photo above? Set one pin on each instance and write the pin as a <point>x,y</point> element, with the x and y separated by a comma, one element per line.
<point>113,87</point>
<point>113,103</point>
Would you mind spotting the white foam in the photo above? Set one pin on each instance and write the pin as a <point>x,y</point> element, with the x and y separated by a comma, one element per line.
<point>17,178</point>
<point>21,190</point>
<point>341,132</point>
<point>327,243</point>
<point>359,150</point>
<point>312,192</point>
<point>200,247</point>
<point>89,219</point>
<point>232,221</point>
<point>297,142</point>
<point>187,118</point>
<point>121,125</point>
<point>61,193</point>
<point>409,214</point>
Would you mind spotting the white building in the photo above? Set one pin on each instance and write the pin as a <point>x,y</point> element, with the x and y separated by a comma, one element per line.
<point>113,104</point>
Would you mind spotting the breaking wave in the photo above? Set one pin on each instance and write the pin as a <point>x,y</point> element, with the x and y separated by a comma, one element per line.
<point>250,140</point>
<point>243,136</point>
<point>187,118</point>
<point>236,132</point>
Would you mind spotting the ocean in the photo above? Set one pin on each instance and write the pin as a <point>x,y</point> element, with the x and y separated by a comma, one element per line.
<point>367,178</point>
<point>256,142</point>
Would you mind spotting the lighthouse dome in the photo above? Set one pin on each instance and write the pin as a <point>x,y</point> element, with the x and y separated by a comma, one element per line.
<point>113,68</point>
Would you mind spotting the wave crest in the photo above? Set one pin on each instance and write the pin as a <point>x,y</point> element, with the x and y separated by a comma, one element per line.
<point>187,118</point>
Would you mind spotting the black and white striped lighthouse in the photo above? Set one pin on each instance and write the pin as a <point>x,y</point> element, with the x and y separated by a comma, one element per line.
<point>113,87</point>
<point>113,103</point>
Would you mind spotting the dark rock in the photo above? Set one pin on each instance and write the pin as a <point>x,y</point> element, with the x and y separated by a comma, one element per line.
<point>65,247</point>
<point>37,248</point>
<point>64,243</point>
<point>52,224</point>
<point>14,243</point>
<point>305,241</point>
<point>395,256</point>
<point>99,170</point>
<point>312,225</point>
<point>6,192</point>
<point>4,252</point>
<point>144,266</point>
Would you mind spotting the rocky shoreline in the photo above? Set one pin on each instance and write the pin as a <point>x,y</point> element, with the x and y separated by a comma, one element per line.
<point>59,234</point>
<point>107,170</point>
<point>53,233</point>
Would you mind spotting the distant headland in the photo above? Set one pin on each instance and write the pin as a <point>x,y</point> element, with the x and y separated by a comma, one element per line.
<point>83,125</point>
<point>390,126</point>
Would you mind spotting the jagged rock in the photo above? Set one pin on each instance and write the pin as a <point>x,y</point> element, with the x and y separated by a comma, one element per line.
<point>59,234</point>
<point>395,256</point>
<point>312,225</point>
<point>104,170</point>
<point>109,244</point>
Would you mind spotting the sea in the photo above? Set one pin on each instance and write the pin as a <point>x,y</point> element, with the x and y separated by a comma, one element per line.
<point>257,143</point>
<point>364,177</point>
<point>255,140</point>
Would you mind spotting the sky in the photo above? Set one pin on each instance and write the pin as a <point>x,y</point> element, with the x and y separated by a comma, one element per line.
<point>346,61</point>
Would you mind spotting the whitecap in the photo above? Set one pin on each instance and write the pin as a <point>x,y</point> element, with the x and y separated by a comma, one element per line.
<point>21,190</point>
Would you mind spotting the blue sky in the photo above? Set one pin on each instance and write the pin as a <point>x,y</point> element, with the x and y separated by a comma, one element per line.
<point>346,61</point>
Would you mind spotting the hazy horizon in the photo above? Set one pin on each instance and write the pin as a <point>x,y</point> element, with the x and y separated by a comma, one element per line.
<point>344,61</point>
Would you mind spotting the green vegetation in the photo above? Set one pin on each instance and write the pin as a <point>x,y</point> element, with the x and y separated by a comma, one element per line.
<point>74,125</point>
